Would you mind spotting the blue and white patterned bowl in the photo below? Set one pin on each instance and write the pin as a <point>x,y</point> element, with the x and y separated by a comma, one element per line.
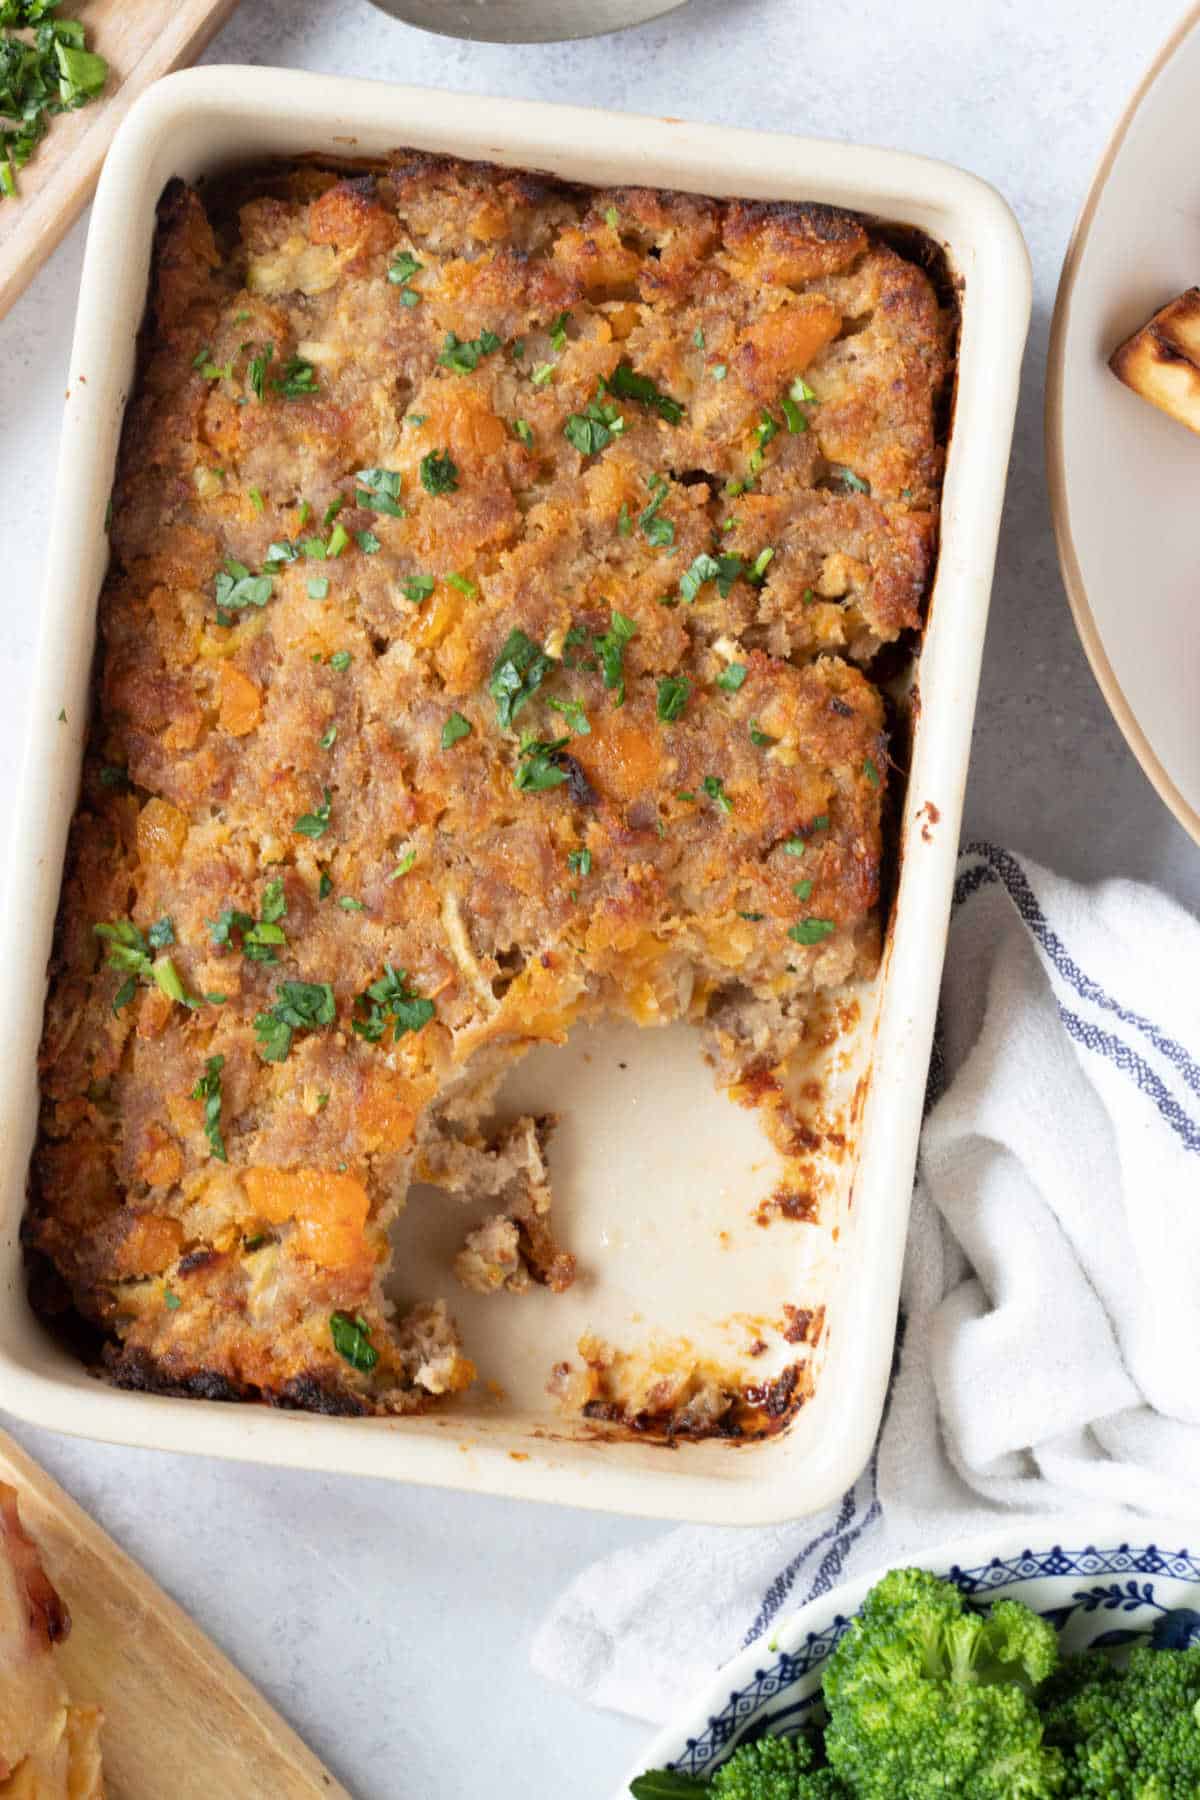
<point>1106,1589</point>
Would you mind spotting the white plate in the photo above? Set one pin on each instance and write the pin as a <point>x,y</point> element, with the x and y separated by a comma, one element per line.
<point>1124,478</point>
<point>1098,1585</point>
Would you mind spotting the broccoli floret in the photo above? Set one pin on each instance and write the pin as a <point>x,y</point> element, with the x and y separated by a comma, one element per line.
<point>776,1769</point>
<point>1132,1733</point>
<point>928,1699</point>
<point>771,1768</point>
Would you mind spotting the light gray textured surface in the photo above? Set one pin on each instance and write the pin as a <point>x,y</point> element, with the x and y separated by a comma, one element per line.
<point>391,1625</point>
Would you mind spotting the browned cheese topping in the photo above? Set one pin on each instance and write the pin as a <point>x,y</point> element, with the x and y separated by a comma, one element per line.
<point>495,569</point>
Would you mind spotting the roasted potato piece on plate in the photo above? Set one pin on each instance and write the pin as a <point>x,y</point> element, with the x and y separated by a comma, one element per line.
<point>1161,362</point>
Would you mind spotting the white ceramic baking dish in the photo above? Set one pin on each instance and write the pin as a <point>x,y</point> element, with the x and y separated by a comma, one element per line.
<point>515,1443</point>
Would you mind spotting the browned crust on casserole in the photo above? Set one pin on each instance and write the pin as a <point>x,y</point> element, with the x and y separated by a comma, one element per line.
<point>656,877</point>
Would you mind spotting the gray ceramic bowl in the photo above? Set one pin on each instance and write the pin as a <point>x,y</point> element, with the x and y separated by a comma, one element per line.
<point>525,21</point>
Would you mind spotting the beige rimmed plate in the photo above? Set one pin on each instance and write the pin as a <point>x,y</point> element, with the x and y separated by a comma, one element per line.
<point>1125,479</point>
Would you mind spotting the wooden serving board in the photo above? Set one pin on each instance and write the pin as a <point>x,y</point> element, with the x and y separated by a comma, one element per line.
<point>178,1717</point>
<point>141,39</point>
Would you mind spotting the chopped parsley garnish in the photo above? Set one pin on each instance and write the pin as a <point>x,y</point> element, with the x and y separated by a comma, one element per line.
<point>236,588</point>
<point>299,1006</point>
<point>352,1339</point>
<point>754,918</point>
<point>759,567</point>
<point>698,337</point>
<point>349,904</point>
<point>456,727</point>
<point>378,491</point>
<point>732,678</point>
<point>558,331</point>
<point>401,270</point>
<point>403,866</point>
<point>256,500</point>
<point>318,587</point>
<point>129,953</point>
<point>802,889</point>
<point>703,568</point>
<point>719,371</point>
<point>258,369</point>
<point>328,737</point>
<point>517,674</point>
<point>673,691</point>
<point>611,650</point>
<point>658,531</point>
<point>612,217</point>
<point>463,355</point>
<point>524,431</point>
<point>171,1300</point>
<point>542,375</point>
<point>766,429</point>
<point>572,711</point>
<point>297,379</point>
<point>114,777</point>
<point>539,767</point>
<point>626,382</point>
<point>759,738</point>
<point>282,551</point>
<point>871,772</point>
<point>315,824</point>
<point>808,598</point>
<point>390,1001</point>
<point>848,479</point>
<point>55,74</point>
<point>463,585</point>
<point>439,473</point>
<point>208,1089</point>
<point>594,428</point>
<point>810,931</point>
<point>260,938</point>
<point>714,787</point>
<point>339,537</point>
<point>800,390</point>
<point>624,522</point>
<point>797,421</point>
<point>419,587</point>
<point>367,542</point>
<point>579,862</point>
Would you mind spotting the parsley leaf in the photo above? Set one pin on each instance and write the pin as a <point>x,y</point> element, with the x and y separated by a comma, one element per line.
<point>659,532</point>
<point>594,428</point>
<point>524,431</point>
<point>352,1339</point>
<point>760,738</point>
<point>631,386</point>
<point>714,787</point>
<point>299,1006</point>
<point>703,568</point>
<point>673,691</point>
<point>208,1089</point>
<point>390,1001</point>
<point>579,862</point>
<point>464,356</point>
<point>811,931</point>
<point>298,378</point>
<point>419,587</point>
<point>456,727</point>
<point>403,267</point>
<point>611,650</point>
<point>731,679</point>
<point>797,421</point>
<point>439,473</point>
<point>572,711</point>
<point>802,889</point>
<point>558,331</point>
<point>517,673</point>
<point>315,824</point>
<point>318,587</point>
<point>340,661</point>
<point>871,772</point>
<point>258,369</point>
<point>379,491</point>
<point>539,767</point>
<point>849,479</point>
<point>236,588</point>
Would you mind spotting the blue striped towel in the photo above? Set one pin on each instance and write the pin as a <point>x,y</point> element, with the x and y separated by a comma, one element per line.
<point>1051,1298</point>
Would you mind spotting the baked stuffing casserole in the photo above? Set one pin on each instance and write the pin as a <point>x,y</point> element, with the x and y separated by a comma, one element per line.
<point>498,569</point>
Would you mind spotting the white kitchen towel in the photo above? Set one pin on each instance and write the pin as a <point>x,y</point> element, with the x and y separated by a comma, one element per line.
<point>1051,1301</point>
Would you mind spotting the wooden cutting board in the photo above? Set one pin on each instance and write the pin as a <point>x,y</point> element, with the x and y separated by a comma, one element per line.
<point>141,39</point>
<point>179,1719</point>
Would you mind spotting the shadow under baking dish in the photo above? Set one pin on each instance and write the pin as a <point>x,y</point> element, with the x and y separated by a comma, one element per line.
<point>692,1231</point>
